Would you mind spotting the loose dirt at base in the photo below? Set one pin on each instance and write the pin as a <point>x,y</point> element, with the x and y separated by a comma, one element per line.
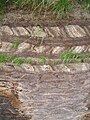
<point>47,96</point>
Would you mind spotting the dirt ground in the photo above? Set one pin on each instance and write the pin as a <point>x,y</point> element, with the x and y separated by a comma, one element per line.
<point>45,96</point>
<point>17,17</point>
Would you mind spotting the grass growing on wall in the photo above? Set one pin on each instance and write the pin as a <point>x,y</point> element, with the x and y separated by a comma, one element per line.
<point>58,7</point>
<point>62,7</point>
<point>73,57</point>
<point>70,57</point>
<point>86,4</point>
<point>2,5</point>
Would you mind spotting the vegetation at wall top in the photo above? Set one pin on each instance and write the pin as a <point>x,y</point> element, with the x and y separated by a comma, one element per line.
<point>73,57</point>
<point>58,7</point>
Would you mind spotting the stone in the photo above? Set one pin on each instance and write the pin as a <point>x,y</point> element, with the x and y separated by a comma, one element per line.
<point>45,68</point>
<point>57,50</point>
<point>7,68</point>
<point>52,31</point>
<point>38,32</point>
<point>87,30</point>
<point>22,31</point>
<point>40,49</point>
<point>27,67</point>
<point>15,31</point>
<point>55,32</point>
<point>22,47</point>
<point>61,68</point>
<point>78,49</point>
<point>29,29</point>
<point>72,68</point>
<point>48,31</point>
<point>6,30</point>
<point>36,68</point>
<point>75,31</point>
<point>63,33</point>
<point>78,67</point>
<point>6,47</point>
<point>18,68</point>
<point>88,48</point>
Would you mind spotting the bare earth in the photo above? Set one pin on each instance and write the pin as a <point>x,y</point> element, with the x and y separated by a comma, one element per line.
<point>47,96</point>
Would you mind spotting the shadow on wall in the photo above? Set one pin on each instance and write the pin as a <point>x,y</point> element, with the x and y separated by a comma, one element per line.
<point>8,112</point>
<point>9,103</point>
<point>86,116</point>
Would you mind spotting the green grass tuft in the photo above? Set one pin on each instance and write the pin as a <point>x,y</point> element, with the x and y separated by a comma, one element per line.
<point>16,43</point>
<point>86,4</point>
<point>42,60</point>
<point>59,7</point>
<point>6,58</point>
<point>18,60</point>
<point>70,57</point>
<point>62,7</point>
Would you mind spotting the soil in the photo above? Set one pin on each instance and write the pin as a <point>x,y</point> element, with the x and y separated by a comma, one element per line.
<point>49,41</point>
<point>19,17</point>
<point>47,92</point>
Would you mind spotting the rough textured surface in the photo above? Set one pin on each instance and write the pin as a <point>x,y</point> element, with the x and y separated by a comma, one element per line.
<point>22,47</point>
<point>75,31</point>
<point>36,31</point>
<point>6,47</point>
<point>45,92</point>
<point>24,17</point>
<point>50,96</point>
